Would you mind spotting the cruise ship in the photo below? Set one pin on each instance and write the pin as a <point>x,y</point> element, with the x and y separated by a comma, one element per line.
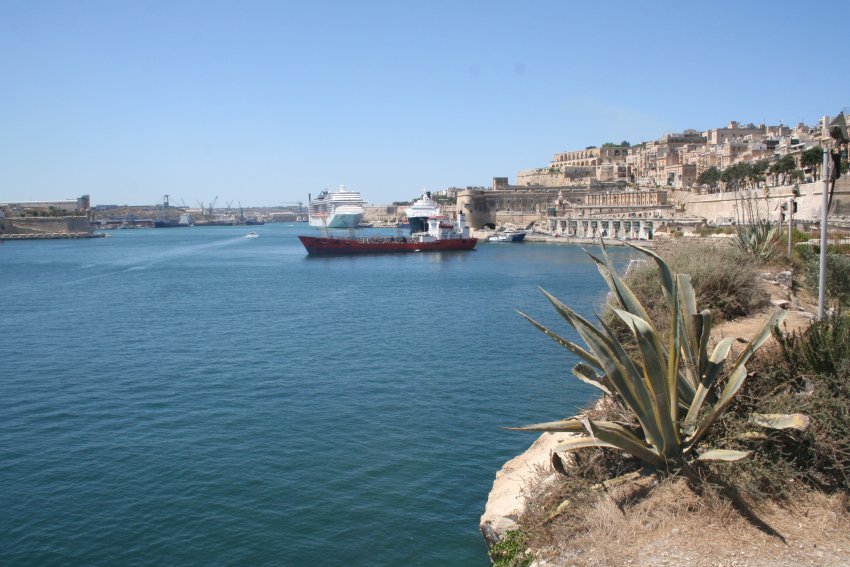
<point>420,211</point>
<point>340,209</point>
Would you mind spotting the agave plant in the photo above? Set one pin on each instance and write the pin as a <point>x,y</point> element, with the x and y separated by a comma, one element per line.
<point>757,240</point>
<point>671,387</point>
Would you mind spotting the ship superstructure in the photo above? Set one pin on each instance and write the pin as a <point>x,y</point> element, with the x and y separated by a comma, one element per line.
<point>339,209</point>
<point>420,211</point>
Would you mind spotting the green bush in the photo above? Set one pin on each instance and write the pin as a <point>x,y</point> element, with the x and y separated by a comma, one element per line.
<point>510,551</point>
<point>837,273</point>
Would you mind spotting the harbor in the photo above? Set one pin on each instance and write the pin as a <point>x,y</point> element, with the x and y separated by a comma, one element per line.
<point>340,338</point>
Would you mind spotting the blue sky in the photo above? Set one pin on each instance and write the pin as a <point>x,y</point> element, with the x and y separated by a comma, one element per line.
<point>264,102</point>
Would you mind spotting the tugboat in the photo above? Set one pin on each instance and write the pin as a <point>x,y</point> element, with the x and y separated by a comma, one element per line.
<point>441,236</point>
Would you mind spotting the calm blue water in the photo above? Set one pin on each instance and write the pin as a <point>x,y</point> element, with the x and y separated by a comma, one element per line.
<point>194,397</point>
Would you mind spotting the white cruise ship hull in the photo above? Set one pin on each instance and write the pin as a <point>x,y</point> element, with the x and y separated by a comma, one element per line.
<point>337,220</point>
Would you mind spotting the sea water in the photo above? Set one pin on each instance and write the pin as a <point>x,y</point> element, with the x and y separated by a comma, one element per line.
<point>190,396</point>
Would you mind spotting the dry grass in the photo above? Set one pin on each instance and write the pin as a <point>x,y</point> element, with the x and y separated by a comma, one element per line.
<point>667,523</point>
<point>724,281</point>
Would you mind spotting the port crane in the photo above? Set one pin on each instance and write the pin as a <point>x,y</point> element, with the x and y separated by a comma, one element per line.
<point>208,211</point>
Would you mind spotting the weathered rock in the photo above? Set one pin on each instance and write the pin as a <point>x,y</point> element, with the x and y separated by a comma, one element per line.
<point>781,303</point>
<point>506,501</point>
<point>784,278</point>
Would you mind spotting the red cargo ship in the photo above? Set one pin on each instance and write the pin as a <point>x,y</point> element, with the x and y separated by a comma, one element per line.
<point>440,237</point>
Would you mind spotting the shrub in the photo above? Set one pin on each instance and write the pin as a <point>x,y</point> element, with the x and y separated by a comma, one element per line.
<point>837,273</point>
<point>724,281</point>
<point>807,372</point>
<point>757,240</point>
<point>511,551</point>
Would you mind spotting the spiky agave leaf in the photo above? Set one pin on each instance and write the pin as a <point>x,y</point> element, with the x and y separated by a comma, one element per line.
<point>624,295</point>
<point>733,384</point>
<point>567,344</point>
<point>673,352</point>
<point>626,377</point>
<point>619,437</point>
<point>572,425</point>
<point>588,375</point>
<point>713,369</point>
<point>761,336</point>
<point>668,282</point>
<point>737,376</point>
<point>618,366</point>
<point>694,326</point>
<point>574,444</point>
<point>654,379</point>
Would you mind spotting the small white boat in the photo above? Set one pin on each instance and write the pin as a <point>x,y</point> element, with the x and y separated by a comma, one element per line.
<point>252,234</point>
<point>507,236</point>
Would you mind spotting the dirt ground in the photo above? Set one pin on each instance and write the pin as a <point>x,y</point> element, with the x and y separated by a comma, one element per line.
<point>800,306</point>
<point>668,529</point>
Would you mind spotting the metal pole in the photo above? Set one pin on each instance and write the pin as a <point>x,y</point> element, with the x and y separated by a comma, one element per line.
<point>823,227</point>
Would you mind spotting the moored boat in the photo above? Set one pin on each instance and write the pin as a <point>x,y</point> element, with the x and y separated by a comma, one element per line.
<point>420,211</point>
<point>507,236</point>
<point>441,236</point>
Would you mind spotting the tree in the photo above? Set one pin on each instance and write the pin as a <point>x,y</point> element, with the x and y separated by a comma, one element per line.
<point>813,158</point>
<point>761,166</point>
<point>783,167</point>
<point>710,177</point>
<point>736,175</point>
<point>757,172</point>
<point>625,144</point>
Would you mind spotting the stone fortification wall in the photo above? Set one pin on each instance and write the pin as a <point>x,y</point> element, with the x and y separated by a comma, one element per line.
<point>719,208</point>
<point>482,207</point>
<point>45,225</point>
<point>519,219</point>
<point>554,178</point>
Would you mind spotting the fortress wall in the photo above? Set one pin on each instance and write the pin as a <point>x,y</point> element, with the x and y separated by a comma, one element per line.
<point>542,178</point>
<point>720,207</point>
<point>45,225</point>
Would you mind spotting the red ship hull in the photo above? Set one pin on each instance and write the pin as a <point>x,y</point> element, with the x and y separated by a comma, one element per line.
<point>346,246</point>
